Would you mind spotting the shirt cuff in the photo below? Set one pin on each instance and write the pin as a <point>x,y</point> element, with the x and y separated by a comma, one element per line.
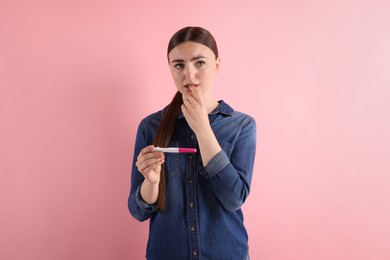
<point>215,165</point>
<point>142,204</point>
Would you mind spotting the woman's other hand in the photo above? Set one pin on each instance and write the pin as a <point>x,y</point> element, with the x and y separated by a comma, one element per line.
<point>195,110</point>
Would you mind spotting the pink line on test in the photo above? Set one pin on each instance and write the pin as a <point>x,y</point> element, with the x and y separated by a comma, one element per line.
<point>187,150</point>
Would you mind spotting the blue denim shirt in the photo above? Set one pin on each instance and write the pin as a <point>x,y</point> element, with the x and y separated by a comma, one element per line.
<point>203,217</point>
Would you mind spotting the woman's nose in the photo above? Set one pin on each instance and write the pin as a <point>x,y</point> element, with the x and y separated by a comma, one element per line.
<point>190,72</point>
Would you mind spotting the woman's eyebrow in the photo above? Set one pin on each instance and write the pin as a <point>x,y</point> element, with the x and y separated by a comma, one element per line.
<point>192,59</point>
<point>177,60</point>
<point>198,57</point>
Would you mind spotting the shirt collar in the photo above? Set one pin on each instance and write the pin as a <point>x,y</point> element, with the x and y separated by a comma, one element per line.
<point>223,109</point>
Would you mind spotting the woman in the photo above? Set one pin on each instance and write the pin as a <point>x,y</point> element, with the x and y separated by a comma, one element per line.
<point>194,201</point>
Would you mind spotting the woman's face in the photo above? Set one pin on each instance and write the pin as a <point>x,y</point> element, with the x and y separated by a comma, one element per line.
<point>193,64</point>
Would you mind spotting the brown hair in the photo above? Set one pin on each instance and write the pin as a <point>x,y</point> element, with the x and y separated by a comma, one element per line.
<point>168,122</point>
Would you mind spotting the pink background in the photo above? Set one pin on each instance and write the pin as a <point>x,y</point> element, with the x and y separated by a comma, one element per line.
<point>76,79</point>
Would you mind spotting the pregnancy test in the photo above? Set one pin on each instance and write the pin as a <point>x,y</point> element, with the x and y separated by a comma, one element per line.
<point>174,150</point>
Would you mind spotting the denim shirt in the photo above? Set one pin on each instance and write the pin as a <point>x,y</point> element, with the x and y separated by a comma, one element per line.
<point>203,217</point>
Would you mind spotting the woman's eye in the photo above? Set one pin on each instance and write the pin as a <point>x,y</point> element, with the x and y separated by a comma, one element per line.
<point>200,63</point>
<point>179,66</point>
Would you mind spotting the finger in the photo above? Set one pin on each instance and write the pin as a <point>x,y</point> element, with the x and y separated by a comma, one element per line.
<point>148,153</point>
<point>186,105</point>
<point>153,166</point>
<point>186,99</point>
<point>149,156</point>
<point>191,99</point>
<point>194,90</point>
<point>186,91</point>
<point>147,163</point>
<point>190,102</point>
<point>195,93</point>
<point>184,109</point>
<point>145,150</point>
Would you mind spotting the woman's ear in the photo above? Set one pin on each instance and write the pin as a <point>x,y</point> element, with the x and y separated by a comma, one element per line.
<point>217,64</point>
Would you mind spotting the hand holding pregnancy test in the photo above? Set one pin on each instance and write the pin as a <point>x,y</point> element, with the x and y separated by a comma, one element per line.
<point>174,150</point>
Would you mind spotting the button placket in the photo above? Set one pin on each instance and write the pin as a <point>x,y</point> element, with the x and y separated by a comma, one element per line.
<point>191,190</point>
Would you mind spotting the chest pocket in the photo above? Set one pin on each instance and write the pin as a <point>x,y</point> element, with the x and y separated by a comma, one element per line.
<point>172,162</point>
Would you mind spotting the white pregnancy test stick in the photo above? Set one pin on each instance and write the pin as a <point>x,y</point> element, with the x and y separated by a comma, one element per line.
<point>174,150</point>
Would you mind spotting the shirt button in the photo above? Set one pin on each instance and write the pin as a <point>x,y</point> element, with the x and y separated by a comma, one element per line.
<point>189,181</point>
<point>194,253</point>
<point>190,157</point>
<point>193,229</point>
<point>191,205</point>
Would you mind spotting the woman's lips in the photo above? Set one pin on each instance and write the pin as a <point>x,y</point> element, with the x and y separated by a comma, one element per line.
<point>190,85</point>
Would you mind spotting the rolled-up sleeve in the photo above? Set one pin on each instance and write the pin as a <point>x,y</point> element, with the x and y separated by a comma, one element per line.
<point>230,178</point>
<point>139,208</point>
<point>215,165</point>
